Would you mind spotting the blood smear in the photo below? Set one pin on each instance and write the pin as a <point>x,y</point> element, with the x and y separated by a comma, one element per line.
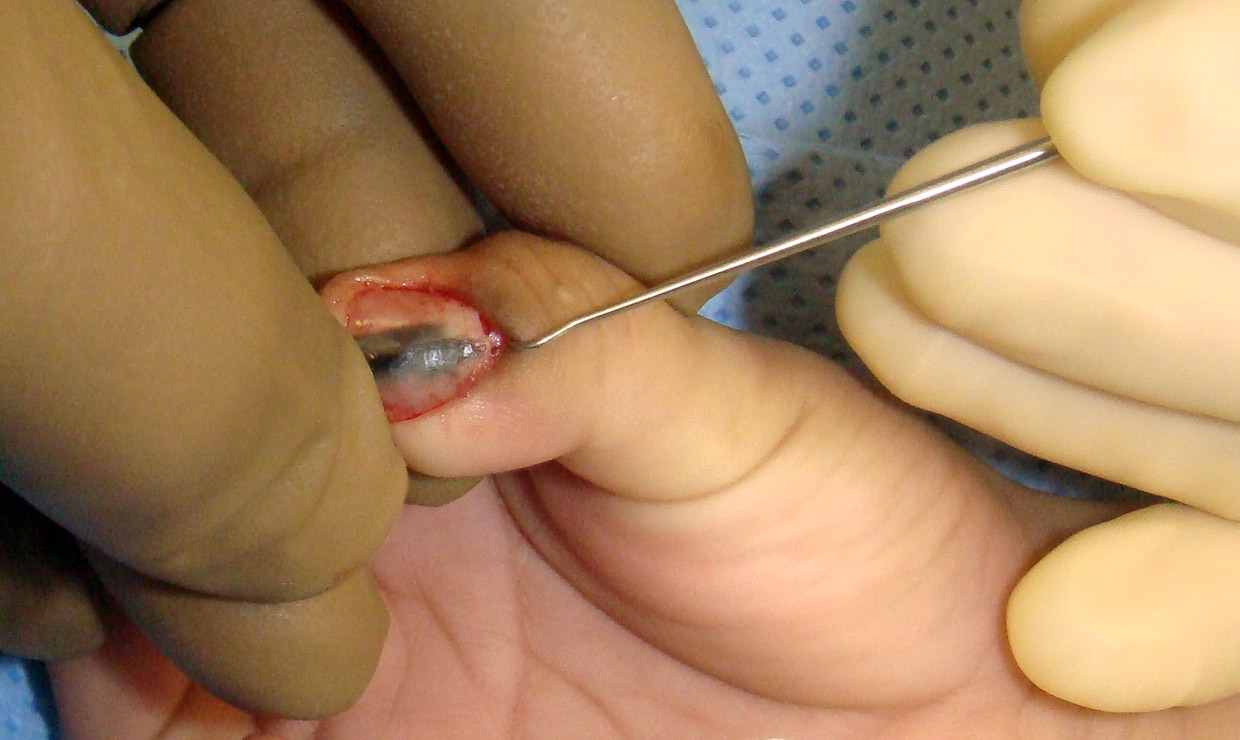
<point>406,395</point>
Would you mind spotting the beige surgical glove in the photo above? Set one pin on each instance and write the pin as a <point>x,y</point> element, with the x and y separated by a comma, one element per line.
<point>1089,312</point>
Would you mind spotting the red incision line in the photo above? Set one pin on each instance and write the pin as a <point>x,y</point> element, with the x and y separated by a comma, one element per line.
<point>442,324</point>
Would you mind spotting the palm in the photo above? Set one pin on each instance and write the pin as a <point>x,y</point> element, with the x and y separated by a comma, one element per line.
<point>871,633</point>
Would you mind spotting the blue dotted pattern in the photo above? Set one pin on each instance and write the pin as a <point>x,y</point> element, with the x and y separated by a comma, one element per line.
<point>829,97</point>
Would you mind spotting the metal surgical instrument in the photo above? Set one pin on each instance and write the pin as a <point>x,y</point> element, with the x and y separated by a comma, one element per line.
<point>1014,160</point>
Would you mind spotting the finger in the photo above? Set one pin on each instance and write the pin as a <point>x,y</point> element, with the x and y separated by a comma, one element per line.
<point>1181,456</point>
<point>741,479</point>
<point>1177,455</point>
<point>1061,289</point>
<point>301,108</point>
<point>242,652</point>
<point>51,605</point>
<point>127,665</point>
<point>591,122</point>
<point>1162,130</point>
<point>161,352</point>
<point>1054,272</point>
<point>1051,29</point>
<point>1134,615</point>
<point>526,284</point>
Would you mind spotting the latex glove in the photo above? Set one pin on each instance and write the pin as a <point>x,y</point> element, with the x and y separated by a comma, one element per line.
<point>174,394</point>
<point>710,535</point>
<point>1087,312</point>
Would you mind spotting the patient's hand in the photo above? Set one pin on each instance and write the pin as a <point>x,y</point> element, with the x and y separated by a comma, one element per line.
<point>710,535</point>
<point>1087,312</point>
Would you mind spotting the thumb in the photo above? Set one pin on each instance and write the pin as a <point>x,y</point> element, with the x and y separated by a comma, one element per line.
<point>1161,130</point>
<point>740,503</point>
<point>634,402</point>
<point>1134,615</point>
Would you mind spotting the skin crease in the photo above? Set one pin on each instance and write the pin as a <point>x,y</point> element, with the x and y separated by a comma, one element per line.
<point>218,642</point>
<point>1074,298</point>
<point>327,133</point>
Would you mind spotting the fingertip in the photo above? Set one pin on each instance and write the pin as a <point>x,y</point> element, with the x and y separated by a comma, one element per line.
<point>1093,132</point>
<point>1051,29</point>
<point>1136,107</point>
<point>306,659</point>
<point>1134,615</point>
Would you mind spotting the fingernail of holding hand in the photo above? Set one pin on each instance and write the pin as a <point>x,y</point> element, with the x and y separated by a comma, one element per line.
<point>426,346</point>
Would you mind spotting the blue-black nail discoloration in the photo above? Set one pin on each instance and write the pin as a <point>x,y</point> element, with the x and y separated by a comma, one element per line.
<point>420,350</point>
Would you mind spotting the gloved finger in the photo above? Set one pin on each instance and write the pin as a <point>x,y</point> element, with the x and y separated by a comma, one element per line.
<point>174,393</point>
<point>1134,615</point>
<point>739,502</point>
<point>592,122</point>
<point>1054,272</point>
<point>299,105</point>
<point>1143,105</point>
<point>51,605</point>
<point>1184,456</point>
<point>1051,29</point>
<point>304,659</point>
<point>293,98</point>
<point>1084,285</point>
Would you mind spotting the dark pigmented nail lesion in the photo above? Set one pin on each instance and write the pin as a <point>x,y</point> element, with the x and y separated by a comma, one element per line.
<point>420,350</point>
<point>425,346</point>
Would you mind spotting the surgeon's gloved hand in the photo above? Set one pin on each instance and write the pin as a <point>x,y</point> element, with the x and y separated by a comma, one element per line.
<point>175,400</point>
<point>1088,312</point>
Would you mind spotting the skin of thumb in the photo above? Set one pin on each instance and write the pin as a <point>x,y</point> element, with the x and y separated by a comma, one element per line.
<point>630,403</point>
